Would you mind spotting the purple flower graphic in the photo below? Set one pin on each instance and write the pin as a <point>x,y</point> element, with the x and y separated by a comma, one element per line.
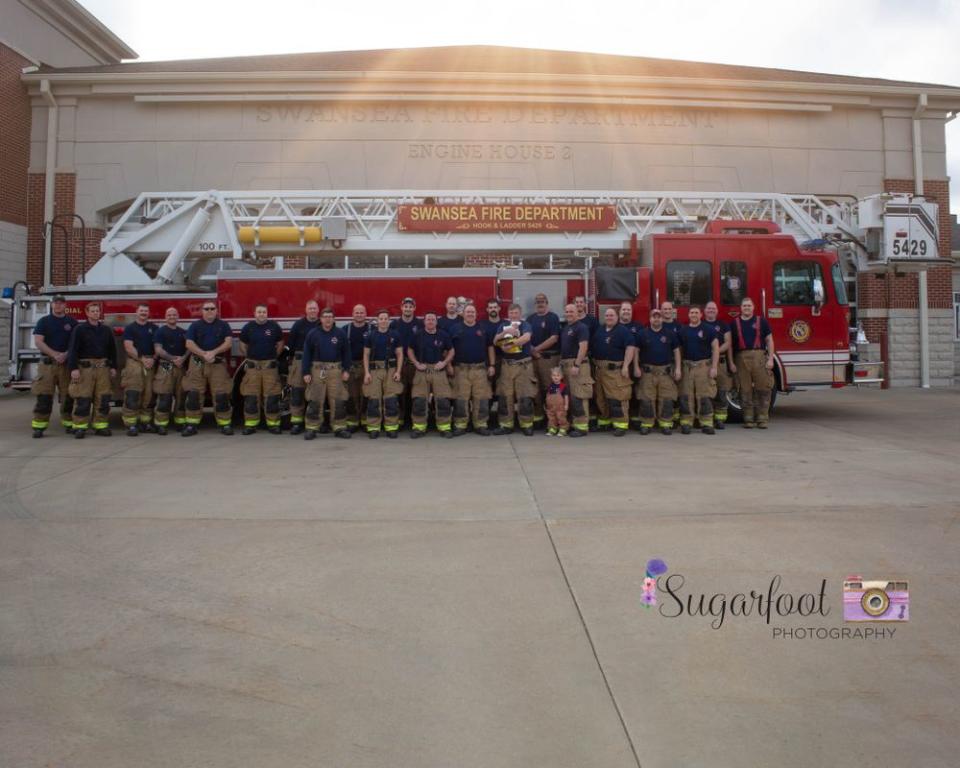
<point>649,599</point>
<point>656,567</point>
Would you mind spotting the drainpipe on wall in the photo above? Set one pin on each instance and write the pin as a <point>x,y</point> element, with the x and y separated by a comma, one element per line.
<point>53,119</point>
<point>922,277</point>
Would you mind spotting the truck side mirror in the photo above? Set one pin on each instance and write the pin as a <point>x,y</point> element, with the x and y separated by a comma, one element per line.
<point>819,297</point>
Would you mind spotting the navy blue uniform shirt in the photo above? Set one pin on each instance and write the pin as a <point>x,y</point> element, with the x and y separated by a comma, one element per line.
<point>325,347</point>
<point>431,348</point>
<point>299,331</point>
<point>142,337</point>
<point>748,328</point>
<point>719,328</point>
<point>674,326</point>
<point>470,343</point>
<point>591,322</point>
<point>634,329</point>
<point>261,340</point>
<point>448,324</point>
<point>490,326</point>
<point>544,326</point>
<point>611,344</point>
<point>93,342</point>
<point>355,337</point>
<point>173,341</point>
<point>656,347</point>
<point>406,331</point>
<point>55,331</point>
<point>696,342</point>
<point>571,337</point>
<point>210,335</point>
<point>525,351</point>
<point>382,345</point>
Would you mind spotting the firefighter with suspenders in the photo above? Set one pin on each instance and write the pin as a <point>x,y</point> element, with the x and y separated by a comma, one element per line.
<point>52,337</point>
<point>753,364</point>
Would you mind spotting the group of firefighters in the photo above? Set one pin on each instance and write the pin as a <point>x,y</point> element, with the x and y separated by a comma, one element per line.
<point>376,373</point>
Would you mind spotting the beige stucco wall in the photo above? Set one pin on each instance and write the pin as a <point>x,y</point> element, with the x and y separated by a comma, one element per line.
<point>120,147</point>
<point>25,31</point>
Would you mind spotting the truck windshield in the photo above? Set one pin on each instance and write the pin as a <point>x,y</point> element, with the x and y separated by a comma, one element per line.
<point>839,287</point>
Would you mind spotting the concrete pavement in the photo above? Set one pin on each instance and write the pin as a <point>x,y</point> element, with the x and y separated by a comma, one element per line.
<point>267,602</point>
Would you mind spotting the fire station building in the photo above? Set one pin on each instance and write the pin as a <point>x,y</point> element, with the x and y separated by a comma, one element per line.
<point>85,128</point>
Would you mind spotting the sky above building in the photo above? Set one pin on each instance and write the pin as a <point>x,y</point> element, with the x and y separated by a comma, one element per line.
<point>893,39</point>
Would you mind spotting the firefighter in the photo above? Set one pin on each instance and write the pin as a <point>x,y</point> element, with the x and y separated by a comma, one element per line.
<point>698,387</point>
<point>722,331</point>
<point>170,349</point>
<point>613,347</point>
<point>326,368</point>
<point>627,321</point>
<point>52,337</point>
<point>452,318</point>
<point>208,341</point>
<point>752,364</point>
<point>575,363</point>
<point>580,302</point>
<point>92,361</point>
<point>657,370</point>
<point>545,349</point>
<point>431,352</point>
<point>474,363</point>
<point>356,330</point>
<point>670,317</point>
<point>671,324</point>
<point>517,385</point>
<point>490,323</point>
<point>382,363</point>
<point>298,335</point>
<point>261,341</point>
<point>407,326</point>
<point>136,381</point>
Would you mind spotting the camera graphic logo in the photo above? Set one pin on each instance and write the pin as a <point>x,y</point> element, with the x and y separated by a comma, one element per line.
<point>875,600</point>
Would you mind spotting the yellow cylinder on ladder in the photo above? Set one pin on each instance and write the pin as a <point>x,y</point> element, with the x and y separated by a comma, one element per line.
<point>292,235</point>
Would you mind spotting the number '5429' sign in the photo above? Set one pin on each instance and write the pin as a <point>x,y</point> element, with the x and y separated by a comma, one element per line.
<point>910,232</point>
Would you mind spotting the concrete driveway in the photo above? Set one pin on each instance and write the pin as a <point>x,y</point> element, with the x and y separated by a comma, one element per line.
<point>265,602</point>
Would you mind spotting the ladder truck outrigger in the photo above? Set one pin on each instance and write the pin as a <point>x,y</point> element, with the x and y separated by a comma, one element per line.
<point>795,255</point>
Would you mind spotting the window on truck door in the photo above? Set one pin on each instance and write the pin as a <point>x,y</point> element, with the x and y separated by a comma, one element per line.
<point>733,282</point>
<point>793,282</point>
<point>689,282</point>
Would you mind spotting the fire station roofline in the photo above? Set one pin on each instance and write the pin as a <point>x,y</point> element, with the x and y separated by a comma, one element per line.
<point>482,60</point>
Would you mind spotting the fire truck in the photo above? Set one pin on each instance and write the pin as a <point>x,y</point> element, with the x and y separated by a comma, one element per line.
<point>795,255</point>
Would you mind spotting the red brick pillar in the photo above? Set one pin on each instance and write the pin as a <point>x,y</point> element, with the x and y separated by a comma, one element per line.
<point>68,259</point>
